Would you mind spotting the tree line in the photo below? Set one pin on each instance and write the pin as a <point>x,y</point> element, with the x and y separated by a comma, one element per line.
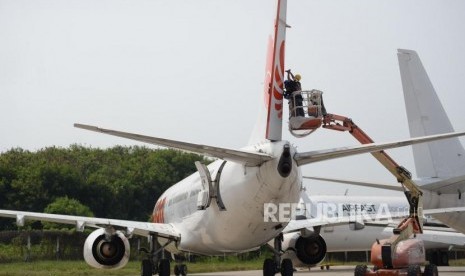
<point>118,182</point>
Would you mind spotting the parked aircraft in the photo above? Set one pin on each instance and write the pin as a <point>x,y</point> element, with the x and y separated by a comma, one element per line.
<point>438,238</point>
<point>220,209</point>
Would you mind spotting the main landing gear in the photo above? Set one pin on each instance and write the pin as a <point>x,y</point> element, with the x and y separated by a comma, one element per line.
<point>156,263</point>
<point>274,265</point>
<point>180,269</point>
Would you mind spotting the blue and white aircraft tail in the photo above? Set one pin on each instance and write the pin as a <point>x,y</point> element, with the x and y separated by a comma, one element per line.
<point>426,116</point>
<point>440,165</point>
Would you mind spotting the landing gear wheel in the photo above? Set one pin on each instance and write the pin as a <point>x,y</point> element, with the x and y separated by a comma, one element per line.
<point>413,270</point>
<point>146,268</point>
<point>431,270</point>
<point>444,258</point>
<point>286,268</point>
<point>183,269</point>
<point>164,267</point>
<point>360,270</point>
<point>269,267</point>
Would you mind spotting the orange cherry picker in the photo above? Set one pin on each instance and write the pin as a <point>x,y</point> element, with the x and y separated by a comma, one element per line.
<point>403,253</point>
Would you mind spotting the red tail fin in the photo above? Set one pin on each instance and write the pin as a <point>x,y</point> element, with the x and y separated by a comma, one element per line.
<point>269,124</point>
<point>274,75</point>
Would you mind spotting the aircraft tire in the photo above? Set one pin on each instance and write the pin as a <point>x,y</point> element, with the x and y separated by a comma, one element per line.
<point>183,270</point>
<point>269,267</point>
<point>413,270</point>
<point>443,258</point>
<point>164,267</point>
<point>286,268</point>
<point>431,270</point>
<point>146,268</point>
<point>360,270</point>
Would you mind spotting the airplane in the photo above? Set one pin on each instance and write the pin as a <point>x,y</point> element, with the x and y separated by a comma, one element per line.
<point>437,238</point>
<point>219,209</point>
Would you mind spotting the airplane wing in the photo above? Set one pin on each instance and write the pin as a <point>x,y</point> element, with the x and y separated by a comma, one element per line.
<point>297,225</point>
<point>321,155</point>
<point>244,157</point>
<point>378,220</point>
<point>134,227</point>
<point>440,235</point>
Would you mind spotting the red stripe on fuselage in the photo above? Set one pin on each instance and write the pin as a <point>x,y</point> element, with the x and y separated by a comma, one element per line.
<point>158,213</point>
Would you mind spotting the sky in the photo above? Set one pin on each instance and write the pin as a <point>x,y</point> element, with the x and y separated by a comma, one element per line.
<point>194,70</point>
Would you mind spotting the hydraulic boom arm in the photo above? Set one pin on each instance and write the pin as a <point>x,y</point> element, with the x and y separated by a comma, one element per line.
<point>403,176</point>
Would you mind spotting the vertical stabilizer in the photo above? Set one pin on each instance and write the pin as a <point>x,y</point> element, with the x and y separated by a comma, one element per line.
<point>426,116</point>
<point>269,125</point>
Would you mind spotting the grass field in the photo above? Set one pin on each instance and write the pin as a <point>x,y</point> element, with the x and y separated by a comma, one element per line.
<point>68,268</point>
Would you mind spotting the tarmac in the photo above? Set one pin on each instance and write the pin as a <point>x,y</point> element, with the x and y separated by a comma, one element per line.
<point>333,271</point>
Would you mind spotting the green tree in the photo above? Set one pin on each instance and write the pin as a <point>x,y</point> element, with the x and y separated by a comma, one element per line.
<point>118,182</point>
<point>66,206</point>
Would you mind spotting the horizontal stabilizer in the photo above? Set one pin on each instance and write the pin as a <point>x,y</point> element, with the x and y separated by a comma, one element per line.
<point>439,186</point>
<point>321,155</point>
<point>444,211</point>
<point>358,183</point>
<point>243,157</point>
<point>443,186</point>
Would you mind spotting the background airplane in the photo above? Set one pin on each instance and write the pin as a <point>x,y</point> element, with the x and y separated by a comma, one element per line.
<point>220,209</point>
<point>355,236</point>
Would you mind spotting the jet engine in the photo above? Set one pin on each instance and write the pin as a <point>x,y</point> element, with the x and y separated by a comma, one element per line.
<point>304,251</point>
<point>106,250</point>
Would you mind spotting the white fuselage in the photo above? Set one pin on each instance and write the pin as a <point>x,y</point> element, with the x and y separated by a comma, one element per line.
<point>343,238</point>
<point>244,191</point>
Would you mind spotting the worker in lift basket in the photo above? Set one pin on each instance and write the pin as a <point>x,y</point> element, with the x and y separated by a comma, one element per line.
<point>292,93</point>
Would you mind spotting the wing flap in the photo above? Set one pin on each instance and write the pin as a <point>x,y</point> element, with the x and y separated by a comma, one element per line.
<point>138,228</point>
<point>239,156</point>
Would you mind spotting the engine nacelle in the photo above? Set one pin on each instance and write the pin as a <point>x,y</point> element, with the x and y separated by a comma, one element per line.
<point>304,251</point>
<point>106,251</point>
